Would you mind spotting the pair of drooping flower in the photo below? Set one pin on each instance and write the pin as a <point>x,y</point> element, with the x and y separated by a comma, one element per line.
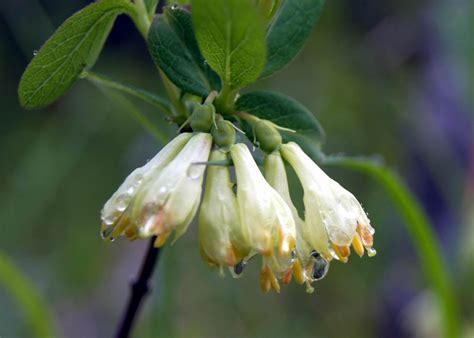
<point>164,196</point>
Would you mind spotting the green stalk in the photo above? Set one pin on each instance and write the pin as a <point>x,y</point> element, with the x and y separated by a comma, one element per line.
<point>137,114</point>
<point>141,94</point>
<point>38,315</point>
<point>141,18</point>
<point>421,232</point>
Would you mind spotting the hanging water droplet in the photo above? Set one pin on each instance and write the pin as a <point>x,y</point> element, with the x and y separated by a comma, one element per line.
<point>111,239</point>
<point>106,232</point>
<point>371,252</point>
<point>194,172</point>
<point>320,268</point>
<point>122,202</point>
<point>174,6</point>
<point>35,52</point>
<point>238,269</point>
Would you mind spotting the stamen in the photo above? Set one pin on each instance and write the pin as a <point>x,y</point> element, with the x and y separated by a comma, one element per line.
<point>273,280</point>
<point>298,272</point>
<point>287,277</point>
<point>121,224</point>
<point>342,252</point>
<point>265,283</point>
<point>365,235</point>
<point>131,233</point>
<point>161,239</point>
<point>357,245</point>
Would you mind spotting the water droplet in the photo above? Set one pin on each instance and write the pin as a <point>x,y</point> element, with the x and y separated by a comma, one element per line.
<point>35,52</point>
<point>238,269</point>
<point>320,268</point>
<point>194,172</point>
<point>112,239</point>
<point>371,252</point>
<point>122,202</point>
<point>174,6</point>
<point>106,232</point>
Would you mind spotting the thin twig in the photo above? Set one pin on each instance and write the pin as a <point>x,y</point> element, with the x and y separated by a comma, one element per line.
<point>140,288</point>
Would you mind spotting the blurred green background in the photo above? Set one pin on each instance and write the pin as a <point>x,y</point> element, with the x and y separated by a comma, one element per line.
<point>383,77</point>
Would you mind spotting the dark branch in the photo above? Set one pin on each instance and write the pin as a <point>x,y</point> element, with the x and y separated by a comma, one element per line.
<point>140,288</point>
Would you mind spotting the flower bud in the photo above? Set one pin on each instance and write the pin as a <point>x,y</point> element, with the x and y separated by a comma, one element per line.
<point>223,133</point>
<point>163,195</point>
<point>203,117</point>
<point>116,209</point>
<point>170,200</point>
<point>220,232</point>
<point>266,219</point>
<point>268,137</point>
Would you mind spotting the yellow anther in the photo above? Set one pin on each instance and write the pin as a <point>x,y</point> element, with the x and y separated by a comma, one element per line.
<point>161,239</point>
<point>357,245</point>
<point>287,277</point>
<point>342,252</point>
<point>365,235</point>
<point>131,233</point>
<point>265,282</point>
<point>273,281</point>
<point>120,225</point>
<point>298,272</point>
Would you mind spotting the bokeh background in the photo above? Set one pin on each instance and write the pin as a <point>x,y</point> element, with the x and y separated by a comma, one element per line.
<point>393,78</point>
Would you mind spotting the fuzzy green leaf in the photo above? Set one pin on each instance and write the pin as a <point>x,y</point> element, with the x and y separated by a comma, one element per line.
<point>74,47</point>
<point>174,49</point>
<point>287,113</point>
<point>231,37</point>
<point>289,31</point>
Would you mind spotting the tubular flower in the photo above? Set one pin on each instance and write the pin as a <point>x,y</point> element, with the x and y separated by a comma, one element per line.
<point>308,266</point>
<point>334,219</point>
<point>166,192</point>
<point>220,238</point>
<point>266,219</point>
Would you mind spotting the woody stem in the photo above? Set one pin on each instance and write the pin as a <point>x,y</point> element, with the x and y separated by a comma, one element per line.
<point>140,287</point>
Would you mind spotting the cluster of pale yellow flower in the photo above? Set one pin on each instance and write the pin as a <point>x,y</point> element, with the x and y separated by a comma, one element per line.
<point>164,196</point>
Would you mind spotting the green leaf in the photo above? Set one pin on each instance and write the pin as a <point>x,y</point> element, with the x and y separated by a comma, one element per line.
<point>289,31</point>
<point>287,113</point>
<point>231,37</point>
<point>421,232</point>
<point>30,301</point>
<point>174,49</point>
<point>74,47</point>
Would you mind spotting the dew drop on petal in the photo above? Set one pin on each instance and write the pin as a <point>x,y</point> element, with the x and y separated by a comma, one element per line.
<point>320,267</point>
<point>194,172</point>
<point>122,202</point>
<point>238,269</point>
<point>371,252</point>
<point>107,232</point>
